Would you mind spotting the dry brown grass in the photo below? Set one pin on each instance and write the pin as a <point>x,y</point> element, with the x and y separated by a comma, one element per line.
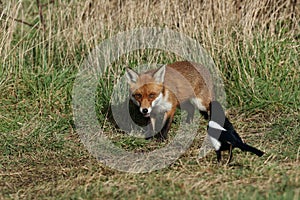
<point>211,22</point>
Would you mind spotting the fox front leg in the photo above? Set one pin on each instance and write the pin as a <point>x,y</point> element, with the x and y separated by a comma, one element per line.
<point>167,121</point>
<point>150,128</point>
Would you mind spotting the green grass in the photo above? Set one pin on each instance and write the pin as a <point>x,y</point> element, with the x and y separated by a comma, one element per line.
<point>42,157</point>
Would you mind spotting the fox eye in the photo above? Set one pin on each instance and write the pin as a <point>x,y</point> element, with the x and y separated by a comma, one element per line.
<point>151,95</point>
<point>137,96</point>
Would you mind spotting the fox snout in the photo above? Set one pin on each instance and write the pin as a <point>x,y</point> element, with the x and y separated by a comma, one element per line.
<point>145,111</point>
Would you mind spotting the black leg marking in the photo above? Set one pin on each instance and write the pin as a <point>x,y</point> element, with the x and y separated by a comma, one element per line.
<point>204,114</point>
<point>163,134</point>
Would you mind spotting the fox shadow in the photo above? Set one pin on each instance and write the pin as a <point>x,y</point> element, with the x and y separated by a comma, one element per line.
<point>127,117</point>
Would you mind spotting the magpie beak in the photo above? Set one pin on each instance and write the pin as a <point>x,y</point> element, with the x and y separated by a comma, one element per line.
<point>222,134</point>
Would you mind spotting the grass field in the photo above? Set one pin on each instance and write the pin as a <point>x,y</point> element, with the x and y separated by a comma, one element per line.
<point>254,44</point>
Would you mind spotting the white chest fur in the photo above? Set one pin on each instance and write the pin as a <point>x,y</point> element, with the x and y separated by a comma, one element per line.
<point>161,104</point>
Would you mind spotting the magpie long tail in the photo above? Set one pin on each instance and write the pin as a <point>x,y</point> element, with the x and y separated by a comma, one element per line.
<point>246,147</point>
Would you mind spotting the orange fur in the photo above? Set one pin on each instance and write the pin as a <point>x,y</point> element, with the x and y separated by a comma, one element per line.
<point>180,84</point>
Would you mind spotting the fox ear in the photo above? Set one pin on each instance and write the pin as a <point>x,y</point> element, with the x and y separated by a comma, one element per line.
<point>131,76</point>
<point>159,75</point>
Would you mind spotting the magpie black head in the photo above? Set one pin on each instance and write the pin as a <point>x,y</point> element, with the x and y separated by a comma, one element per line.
<point>217,113</point>
<point>218,116</point>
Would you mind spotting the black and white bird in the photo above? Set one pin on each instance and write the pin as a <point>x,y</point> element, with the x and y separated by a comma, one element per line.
<point>222,134</point>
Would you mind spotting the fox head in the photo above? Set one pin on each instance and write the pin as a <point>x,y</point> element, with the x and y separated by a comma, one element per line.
<point>146,89</point>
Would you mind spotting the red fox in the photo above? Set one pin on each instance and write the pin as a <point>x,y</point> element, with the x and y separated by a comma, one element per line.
<point>181,84</point>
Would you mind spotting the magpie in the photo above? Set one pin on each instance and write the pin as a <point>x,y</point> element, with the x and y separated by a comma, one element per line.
<point>222,134</point>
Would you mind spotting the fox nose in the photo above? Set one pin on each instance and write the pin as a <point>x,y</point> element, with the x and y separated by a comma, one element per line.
<point>145,110</point>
